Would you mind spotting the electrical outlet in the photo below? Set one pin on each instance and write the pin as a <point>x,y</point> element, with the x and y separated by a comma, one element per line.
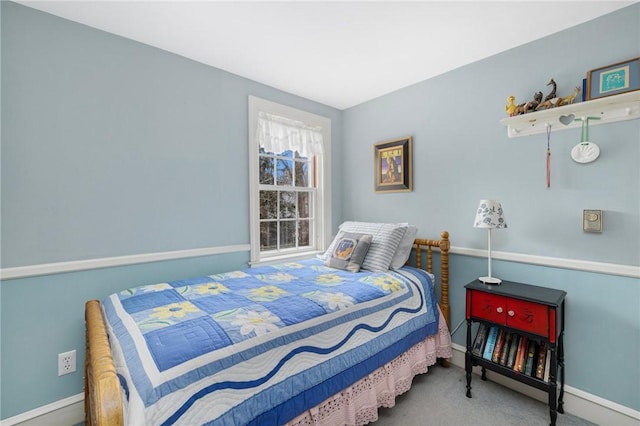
<point>66,363</point>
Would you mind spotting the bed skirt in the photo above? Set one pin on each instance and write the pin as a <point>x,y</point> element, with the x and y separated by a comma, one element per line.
<point>359,403</point>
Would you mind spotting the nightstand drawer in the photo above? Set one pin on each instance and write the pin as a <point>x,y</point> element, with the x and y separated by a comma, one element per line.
<point>528,316</point>
<point>489,307</point>
<point>515,313</point>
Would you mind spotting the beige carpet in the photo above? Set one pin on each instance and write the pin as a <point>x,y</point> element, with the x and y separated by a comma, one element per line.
<point>438,398</point>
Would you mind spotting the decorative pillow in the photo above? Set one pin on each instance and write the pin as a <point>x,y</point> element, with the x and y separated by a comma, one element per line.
<point>404,248</point>
<point>348,251</point>
<point>386,238</point>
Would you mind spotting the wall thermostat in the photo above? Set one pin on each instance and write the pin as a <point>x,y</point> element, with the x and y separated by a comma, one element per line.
<point>592,220</point>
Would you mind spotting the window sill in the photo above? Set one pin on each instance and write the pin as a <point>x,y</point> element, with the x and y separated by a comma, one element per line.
<point>273,260</point>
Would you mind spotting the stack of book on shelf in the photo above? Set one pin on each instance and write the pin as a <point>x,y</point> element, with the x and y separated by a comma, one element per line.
<point>519,353</point>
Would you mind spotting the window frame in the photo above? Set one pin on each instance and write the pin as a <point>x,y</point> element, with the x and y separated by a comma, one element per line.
<point>322,205</point>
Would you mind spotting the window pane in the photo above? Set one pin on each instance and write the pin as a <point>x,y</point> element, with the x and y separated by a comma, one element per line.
<point>268,204</point>
<point>287,205</point>
<point>287,234</point>
<point>268,236</point>
<point>285,172</point>
<point>262,151</point>
<point>302,173</point>
<point>303,233</point>
<point>266,170</point>
<point>303,204</point>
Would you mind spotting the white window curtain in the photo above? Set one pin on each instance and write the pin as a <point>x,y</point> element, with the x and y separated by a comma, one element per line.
<point>277,134</point>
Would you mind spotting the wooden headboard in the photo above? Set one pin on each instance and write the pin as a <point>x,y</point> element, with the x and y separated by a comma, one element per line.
<point>443,245</point>
<point>102,395</point>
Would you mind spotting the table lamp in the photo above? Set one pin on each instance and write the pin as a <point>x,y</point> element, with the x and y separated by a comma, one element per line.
<point>490,216</point>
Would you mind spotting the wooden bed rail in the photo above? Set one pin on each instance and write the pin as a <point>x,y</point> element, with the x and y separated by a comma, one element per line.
<point>102,402</point>
<point>443,245</point>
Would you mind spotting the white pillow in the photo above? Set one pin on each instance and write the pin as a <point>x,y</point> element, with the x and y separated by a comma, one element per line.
<point>385,242</point>
<point>404,248</point>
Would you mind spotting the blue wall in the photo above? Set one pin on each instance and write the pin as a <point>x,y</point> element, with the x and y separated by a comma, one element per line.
<point>462,154</point>
<point>110,148</point>
<point>460,145</point>
<point>105,140</point>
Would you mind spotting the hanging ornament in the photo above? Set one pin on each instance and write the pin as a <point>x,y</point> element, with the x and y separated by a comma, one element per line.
<point>548,126</point>
<point>585,151</point>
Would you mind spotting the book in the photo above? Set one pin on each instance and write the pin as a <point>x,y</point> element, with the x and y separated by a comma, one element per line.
<point>531,354</point>
<point>525,351</point>
<point>478,343</point>
<point>520,356</point>
<point>513,349</point>
<point>518,352</point>
<point>491,342</point>
<point>505,348</point>
<point>542,355</point>
<point>547,363</point>
<point>495,357</point>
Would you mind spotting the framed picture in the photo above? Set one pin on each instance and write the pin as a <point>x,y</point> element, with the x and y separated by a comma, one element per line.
<point>613,79</point>
<point>392,162</point>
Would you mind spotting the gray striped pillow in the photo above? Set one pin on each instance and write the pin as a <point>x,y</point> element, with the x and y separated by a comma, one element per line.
<point>386,238</point>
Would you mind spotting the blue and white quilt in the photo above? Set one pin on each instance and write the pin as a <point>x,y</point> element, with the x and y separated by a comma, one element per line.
<point>262,345</point>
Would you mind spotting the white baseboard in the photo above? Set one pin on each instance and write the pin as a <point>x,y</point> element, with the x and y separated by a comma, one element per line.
<point>70,411</point>
<point>579,403</point>
<point>65,412</point>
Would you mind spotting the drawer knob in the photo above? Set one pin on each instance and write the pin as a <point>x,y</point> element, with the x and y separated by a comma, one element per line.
<point>511,313</point>
<point>499,310</point>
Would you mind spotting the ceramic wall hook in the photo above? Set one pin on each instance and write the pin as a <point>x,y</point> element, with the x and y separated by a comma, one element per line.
<point>586,151</point>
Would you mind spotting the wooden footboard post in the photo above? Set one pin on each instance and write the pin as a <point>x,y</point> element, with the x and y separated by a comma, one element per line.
<point>444,283</point>
<point>444,276</point>
<point>102,397</point>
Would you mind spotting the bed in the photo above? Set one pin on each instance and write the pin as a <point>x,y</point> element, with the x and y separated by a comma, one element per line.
<point>332,360</point>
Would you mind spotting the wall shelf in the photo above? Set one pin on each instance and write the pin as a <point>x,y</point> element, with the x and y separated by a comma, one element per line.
<point>625,106</point>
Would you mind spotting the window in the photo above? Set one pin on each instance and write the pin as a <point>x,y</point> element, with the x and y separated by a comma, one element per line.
<point>287,194</point>
<point>289,181</point>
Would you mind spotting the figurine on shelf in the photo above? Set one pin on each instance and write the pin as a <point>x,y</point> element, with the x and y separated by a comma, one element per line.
<point>511,106</point>
<point>551,94</point>
<point>551,100</point>
<point>529,106</point>
<point>568,100</point>
<point>551,103</point>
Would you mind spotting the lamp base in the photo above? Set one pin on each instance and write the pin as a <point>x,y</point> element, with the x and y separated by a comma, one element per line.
<point>490,280</point>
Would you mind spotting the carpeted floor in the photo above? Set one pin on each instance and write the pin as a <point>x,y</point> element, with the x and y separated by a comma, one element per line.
<point>438,398</point>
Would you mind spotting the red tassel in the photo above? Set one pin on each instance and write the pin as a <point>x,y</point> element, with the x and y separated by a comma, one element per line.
<point>548,155</point>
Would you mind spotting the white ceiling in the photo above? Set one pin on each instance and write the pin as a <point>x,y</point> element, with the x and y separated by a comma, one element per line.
<point>334,52</point>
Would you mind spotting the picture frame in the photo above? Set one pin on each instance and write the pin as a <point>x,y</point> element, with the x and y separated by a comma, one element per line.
<point>621,77</point>
<point>393,165</point>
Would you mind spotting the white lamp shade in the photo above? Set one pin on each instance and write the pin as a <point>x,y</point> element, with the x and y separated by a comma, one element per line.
<point>490,215</point>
